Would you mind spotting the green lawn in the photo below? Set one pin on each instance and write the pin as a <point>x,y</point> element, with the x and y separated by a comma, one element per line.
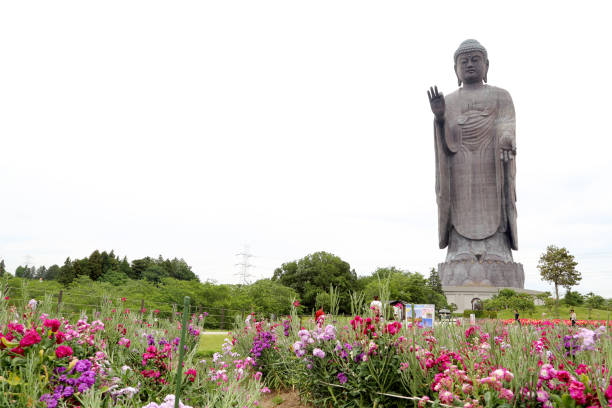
<point>582,313</point>
<point>211,343</point>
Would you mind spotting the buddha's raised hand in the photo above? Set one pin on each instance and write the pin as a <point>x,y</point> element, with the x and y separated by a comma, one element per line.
<point>436,101</point>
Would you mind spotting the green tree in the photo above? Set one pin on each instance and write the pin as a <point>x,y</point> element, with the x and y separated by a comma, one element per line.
<point>155,273</point>
<point>434,283</point>
<point>139,266</point>
<point>314,273</point>
<point>594,301</point>
<point>2,268</point>
<point>114,277</point>
<point>124,266</point>
<point>96,266</point>
<point>51,273</point>
<point>66,273</point>
<point>411,287</point>
<point>573,298</point>
<point>26,272</point>
<point>557,266</point>
<point>509,299</point>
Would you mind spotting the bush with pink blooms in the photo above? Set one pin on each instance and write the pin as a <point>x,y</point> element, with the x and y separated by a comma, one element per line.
<point>371,362</point>
<point>110,358</point>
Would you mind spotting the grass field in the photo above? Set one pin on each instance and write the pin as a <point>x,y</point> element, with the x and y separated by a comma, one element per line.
<point>582,313</point>
<point>210,343</point>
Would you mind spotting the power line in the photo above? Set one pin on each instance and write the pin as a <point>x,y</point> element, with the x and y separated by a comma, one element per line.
<point>244,265</point>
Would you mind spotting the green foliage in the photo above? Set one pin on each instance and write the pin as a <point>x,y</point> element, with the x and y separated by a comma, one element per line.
<point>594,301</point>
<point>403,285</point>
<point>314,273</point>
<point>323,300</point>
<point>557,266</point>
<point>155,273</point>
<point>114,277</point>
<point>434,283</point>
<point>509,299</point>
<point>2,268</point>
<point>67,273</point>
<point>27,272</point>
<point>573,298</point>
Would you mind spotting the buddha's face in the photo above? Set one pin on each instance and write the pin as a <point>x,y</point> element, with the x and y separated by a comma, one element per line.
<point>471,67</point>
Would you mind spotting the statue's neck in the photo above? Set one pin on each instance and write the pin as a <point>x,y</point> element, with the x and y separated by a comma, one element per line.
<point>473,86</point>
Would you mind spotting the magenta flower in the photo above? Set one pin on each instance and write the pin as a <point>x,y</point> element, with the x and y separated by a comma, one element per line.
<point>63,351</point>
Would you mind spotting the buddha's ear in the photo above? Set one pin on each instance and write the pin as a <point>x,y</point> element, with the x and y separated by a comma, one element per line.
<point>486,72</point>
<point>457,73</point>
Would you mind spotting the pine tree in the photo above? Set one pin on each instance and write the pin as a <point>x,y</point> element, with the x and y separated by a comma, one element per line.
<point>434,282</point>
<point>2,268</point>
<point>66,273</point>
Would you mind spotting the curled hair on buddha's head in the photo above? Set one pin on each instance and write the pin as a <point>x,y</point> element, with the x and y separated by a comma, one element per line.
<point>471,45</point>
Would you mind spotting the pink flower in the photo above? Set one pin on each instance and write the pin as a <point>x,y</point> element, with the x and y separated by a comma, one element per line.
<point>506,394</point>
<point>542,396</point>
<point>31,337</point>
<point>446,397</point>
<point>608,392</point>
<point>124,342</point>
<point>63,351</point>
<point>576,390</point>
<point>53,324</point>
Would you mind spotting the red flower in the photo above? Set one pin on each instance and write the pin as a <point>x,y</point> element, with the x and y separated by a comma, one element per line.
<point>31,337</point>
<point>296,303</point>
<point>6,298</point>
<point>18,350</point>
<point>60,337</point>
<point>318,314</point>
<point>63,351</point>
<point>123,299</point>
<point>53,324</point>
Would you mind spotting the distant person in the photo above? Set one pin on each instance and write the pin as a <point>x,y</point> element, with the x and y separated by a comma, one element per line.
<point>573,317</point>
<point>376,306</point>
<point>516,317</point>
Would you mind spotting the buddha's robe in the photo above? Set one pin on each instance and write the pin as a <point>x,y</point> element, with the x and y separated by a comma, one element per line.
<point>475,189</point>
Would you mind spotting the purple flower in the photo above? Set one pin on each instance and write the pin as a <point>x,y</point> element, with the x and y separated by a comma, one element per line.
<point>68,391</point>
<point>286,327</point>
<point>82,387</point>
<point>262,341</point>
<point>82,365</point>
<point>317,352</point>
<point>342,378</point>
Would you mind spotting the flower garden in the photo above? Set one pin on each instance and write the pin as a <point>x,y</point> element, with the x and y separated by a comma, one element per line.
<point>124,358</point>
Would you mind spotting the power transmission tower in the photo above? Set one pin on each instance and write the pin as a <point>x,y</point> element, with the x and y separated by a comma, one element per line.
<point>244,265</point>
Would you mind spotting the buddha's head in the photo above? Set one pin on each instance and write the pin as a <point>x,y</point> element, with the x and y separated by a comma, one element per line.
<point>471,62</point>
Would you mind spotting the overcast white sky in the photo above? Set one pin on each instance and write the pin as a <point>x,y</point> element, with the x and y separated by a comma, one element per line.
<point>189,129</point>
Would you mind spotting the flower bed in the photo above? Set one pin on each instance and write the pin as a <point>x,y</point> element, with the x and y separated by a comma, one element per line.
<point>370,362</point>
<point>114,358</point>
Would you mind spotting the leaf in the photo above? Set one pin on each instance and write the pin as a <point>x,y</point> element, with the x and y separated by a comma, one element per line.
<point>8,343</point>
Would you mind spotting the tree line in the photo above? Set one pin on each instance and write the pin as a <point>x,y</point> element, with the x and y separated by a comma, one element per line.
<point>108,267</point>
<point>307,280</point>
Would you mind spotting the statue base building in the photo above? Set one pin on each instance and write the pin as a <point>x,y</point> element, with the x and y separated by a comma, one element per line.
<point>506,274</point>
<point>465,297</point>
